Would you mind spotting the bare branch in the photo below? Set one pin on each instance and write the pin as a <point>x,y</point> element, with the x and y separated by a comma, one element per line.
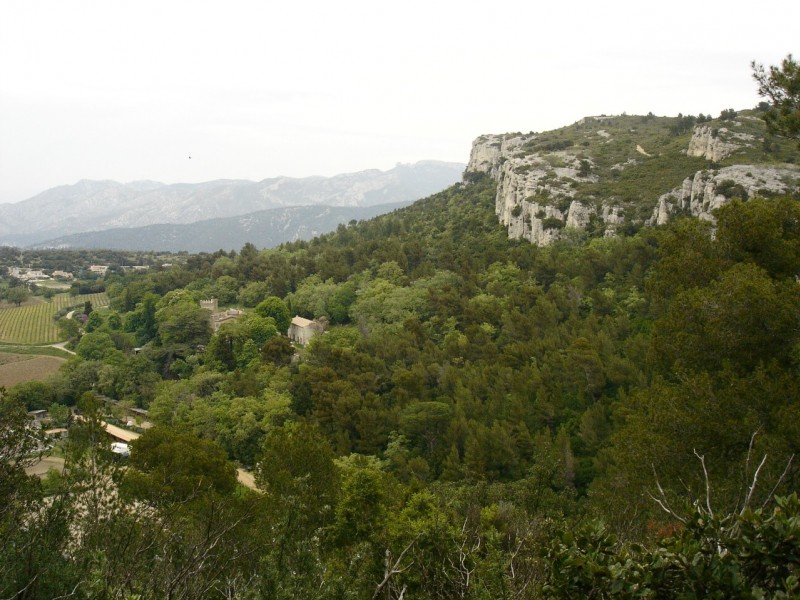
<point>395,569</point>
<point>753,485</point>
<point>21,592</point>
<point>662,501</point>
<point>72,593</point>
<point>750,451</point>
<point>780,479</point>
<point>708,484</point>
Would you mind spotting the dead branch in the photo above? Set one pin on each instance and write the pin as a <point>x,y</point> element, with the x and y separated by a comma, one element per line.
<point>394,569</point>
<point>780,479</point>
<point>708,483</point>
<point>753,485</point>
<point>662,500</point>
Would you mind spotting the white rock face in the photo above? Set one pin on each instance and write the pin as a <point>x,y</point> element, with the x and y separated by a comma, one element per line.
<point>531,188</point>
<point>536,187</point>
<point>700,195</point>
<point>716,145</point>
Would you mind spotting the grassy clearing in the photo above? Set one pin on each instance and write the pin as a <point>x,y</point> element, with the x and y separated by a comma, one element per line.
<point>32,323</point>
<point>26,368</point>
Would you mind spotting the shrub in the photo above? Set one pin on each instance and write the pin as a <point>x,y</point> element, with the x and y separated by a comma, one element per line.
<point>552,223</point>
<point>731,189</point>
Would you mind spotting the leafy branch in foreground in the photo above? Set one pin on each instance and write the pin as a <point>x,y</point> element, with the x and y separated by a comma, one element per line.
<point>743,553</point>
<point>782,86</point>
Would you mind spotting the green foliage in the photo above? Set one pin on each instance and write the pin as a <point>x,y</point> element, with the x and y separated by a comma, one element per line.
<point>142,320</point>
<point>479,393</point>
<point>552,223</point>
<point>17,295</point>
<point>781,85</point>
<point>755,554</point>
<point>34,395</point>
<point>59,414</point>
<point>275,308</point>
<point>731,189</point>
<point>182,324</point>
<point>253,293</point>
<point>96,346</point>
<point>765,232</point>
<point>742,319</point>
<point>297,461</point>
<point>169,466</point>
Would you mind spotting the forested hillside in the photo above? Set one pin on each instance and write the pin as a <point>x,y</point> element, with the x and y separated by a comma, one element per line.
<point>483,418</point>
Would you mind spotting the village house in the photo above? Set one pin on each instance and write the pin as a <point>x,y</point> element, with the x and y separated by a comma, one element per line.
<point>302,330</point>
<point>38,417</point>
<point>99,269</point>
<point>63,275</point>
<point>227,316</point>
<point>218,318</point>
<point>34,276</point>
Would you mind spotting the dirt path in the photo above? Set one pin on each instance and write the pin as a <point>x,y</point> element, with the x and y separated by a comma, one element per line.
<point>62,346</point>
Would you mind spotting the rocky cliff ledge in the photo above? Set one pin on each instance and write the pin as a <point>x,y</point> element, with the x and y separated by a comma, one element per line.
<point>706,191</point>
<point>535,198</point>
<point>717,144</point>
<point>604,172</point>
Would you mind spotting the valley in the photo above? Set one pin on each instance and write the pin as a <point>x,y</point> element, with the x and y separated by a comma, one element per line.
<point>500,412</point>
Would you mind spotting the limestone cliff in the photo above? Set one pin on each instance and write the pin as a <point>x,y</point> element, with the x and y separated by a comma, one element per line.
<point>717,144</point>
<point>603,172</point>
<point>535,199</point>
<point>706,191</point>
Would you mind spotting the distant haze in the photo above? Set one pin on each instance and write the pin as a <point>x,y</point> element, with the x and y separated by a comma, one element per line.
<point>91,206</point>
<point>252,90</point>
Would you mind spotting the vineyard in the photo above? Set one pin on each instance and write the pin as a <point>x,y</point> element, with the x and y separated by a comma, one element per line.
<point>34,324</point>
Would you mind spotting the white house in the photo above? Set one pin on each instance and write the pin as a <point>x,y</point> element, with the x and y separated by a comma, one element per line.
<point>302,330</point>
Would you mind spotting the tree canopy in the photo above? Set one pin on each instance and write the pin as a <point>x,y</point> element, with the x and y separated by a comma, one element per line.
<point>781,85</point>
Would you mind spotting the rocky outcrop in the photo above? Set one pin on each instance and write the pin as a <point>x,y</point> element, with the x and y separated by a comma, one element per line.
<point>545,182</point>
<point>490,151</point>
<point>535,200</point>
<point>716,144</point>
<point>706,191</point>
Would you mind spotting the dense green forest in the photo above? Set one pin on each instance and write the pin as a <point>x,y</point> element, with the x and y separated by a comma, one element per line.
<point>604,417</point>
<point>483,418</point>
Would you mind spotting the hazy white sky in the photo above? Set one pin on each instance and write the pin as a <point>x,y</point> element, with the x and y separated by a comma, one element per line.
<point>255,89</point>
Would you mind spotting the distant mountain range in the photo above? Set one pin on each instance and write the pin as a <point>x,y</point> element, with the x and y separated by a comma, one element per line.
<point>52,217</point>
<point>264,229</point>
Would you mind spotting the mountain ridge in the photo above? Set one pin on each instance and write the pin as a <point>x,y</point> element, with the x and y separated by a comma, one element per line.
<point>90,205</point>
<point>606,173</point>
<point>264,229</point>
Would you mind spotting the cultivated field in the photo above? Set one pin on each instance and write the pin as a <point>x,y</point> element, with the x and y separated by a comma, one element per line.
<point>16,368</point>
<point>33,323</point>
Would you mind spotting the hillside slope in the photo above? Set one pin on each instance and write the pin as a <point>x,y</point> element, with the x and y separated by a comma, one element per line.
<point>604,173</point>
